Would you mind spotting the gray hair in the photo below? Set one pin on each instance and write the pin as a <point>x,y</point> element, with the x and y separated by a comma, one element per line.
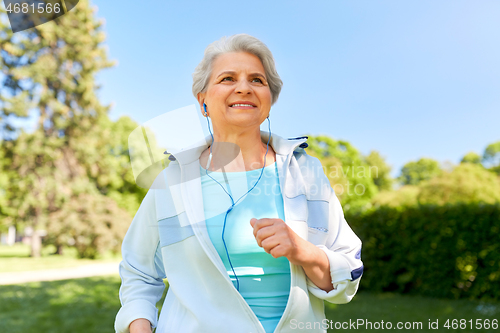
<point>237,43</point>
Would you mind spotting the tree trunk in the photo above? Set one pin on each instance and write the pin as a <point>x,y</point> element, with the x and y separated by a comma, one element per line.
<point>36,245</point>
<point>59,250</point>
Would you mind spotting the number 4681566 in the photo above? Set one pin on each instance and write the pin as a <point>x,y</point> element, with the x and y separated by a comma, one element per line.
<point>40,8</point>
<point>477,324</point>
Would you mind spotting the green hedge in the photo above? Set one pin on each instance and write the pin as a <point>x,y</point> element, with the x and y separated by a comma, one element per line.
<point>442,251</point>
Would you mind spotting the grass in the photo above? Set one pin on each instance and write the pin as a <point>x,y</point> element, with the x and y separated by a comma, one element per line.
<point>90,305</point>
<point>80,305</point>
<point>396,308</point>
<point>16,259</point>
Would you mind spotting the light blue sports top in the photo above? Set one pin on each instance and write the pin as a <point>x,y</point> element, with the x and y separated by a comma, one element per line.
<point>264,281</point>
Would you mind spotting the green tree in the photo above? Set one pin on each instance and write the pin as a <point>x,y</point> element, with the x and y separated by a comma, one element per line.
<point>405,196</point>
<point>4,181</point>
<point>413,173</point>
<point>108,163</point>
<point>349,174</point>
<point>380,171</point>
<point>491,155</point>
<point>471,157</point>
<point>88,222</point>
<point>50,71</point>
<point>467,183</point>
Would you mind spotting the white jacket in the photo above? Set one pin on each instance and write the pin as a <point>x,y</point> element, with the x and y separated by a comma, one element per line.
<point>168,239</point>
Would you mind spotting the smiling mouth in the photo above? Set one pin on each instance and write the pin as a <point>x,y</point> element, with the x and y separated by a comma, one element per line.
<point>242,105</point>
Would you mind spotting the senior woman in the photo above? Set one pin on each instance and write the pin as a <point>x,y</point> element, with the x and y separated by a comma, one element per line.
<point>238,257</point>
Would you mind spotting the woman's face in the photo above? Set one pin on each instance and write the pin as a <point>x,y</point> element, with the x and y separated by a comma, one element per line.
<point>238,94</point>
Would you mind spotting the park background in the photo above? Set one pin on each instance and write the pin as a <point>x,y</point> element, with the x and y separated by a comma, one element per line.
<point>407,89</point>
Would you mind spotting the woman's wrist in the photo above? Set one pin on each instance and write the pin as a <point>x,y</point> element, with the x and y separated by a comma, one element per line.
<point>306,254</point>
<point>140,325</point>
<point>316,265</point>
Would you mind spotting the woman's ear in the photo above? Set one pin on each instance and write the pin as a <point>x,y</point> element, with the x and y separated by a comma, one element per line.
<point>201,100</point>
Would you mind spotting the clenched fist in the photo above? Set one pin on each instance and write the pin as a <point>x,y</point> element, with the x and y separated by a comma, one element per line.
<point>279,240</point>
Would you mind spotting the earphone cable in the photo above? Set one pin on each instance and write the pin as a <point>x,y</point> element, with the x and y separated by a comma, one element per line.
<point>232,201</point>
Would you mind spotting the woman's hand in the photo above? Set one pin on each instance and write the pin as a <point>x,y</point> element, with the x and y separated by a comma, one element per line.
<point>140,325</point>
<point>279,240</point>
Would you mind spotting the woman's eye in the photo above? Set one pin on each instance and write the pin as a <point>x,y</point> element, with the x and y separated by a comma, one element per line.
<point>227,79</point>
<point>257,80</point>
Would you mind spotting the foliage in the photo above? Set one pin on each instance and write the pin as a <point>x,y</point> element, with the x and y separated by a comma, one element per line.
<point>413,173</point>
<point>471,157</point>
<point>4,181</point>
<point>350,175</point>
<point>73,157</point>
<point>491,155</point>
<point>405,196</point>
<point>106,160</point>
<point>381,174</point>
<point>439,251</point>
<point>466,183</point>
<point>90,223</point>
<point>495,170</point>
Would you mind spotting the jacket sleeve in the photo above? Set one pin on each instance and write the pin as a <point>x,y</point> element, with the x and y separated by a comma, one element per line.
<point>343,249</point>
<point>141,269</point>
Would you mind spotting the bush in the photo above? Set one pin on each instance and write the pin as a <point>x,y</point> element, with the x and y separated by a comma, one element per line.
<point>466,183</point>
<point>442,251</point>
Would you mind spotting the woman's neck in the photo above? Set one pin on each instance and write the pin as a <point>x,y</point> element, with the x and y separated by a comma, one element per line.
<point>238,152</point>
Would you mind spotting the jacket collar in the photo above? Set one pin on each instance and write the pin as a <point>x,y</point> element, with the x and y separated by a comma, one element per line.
<point>279,144</point>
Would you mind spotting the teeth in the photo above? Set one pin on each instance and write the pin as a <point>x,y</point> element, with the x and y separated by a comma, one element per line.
<point>242,105</point>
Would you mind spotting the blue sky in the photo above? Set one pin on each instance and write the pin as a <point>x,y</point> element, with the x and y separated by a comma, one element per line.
<point>409,79</point>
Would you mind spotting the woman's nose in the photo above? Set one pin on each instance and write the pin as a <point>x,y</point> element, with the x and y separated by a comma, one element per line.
<point>243,87</point>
